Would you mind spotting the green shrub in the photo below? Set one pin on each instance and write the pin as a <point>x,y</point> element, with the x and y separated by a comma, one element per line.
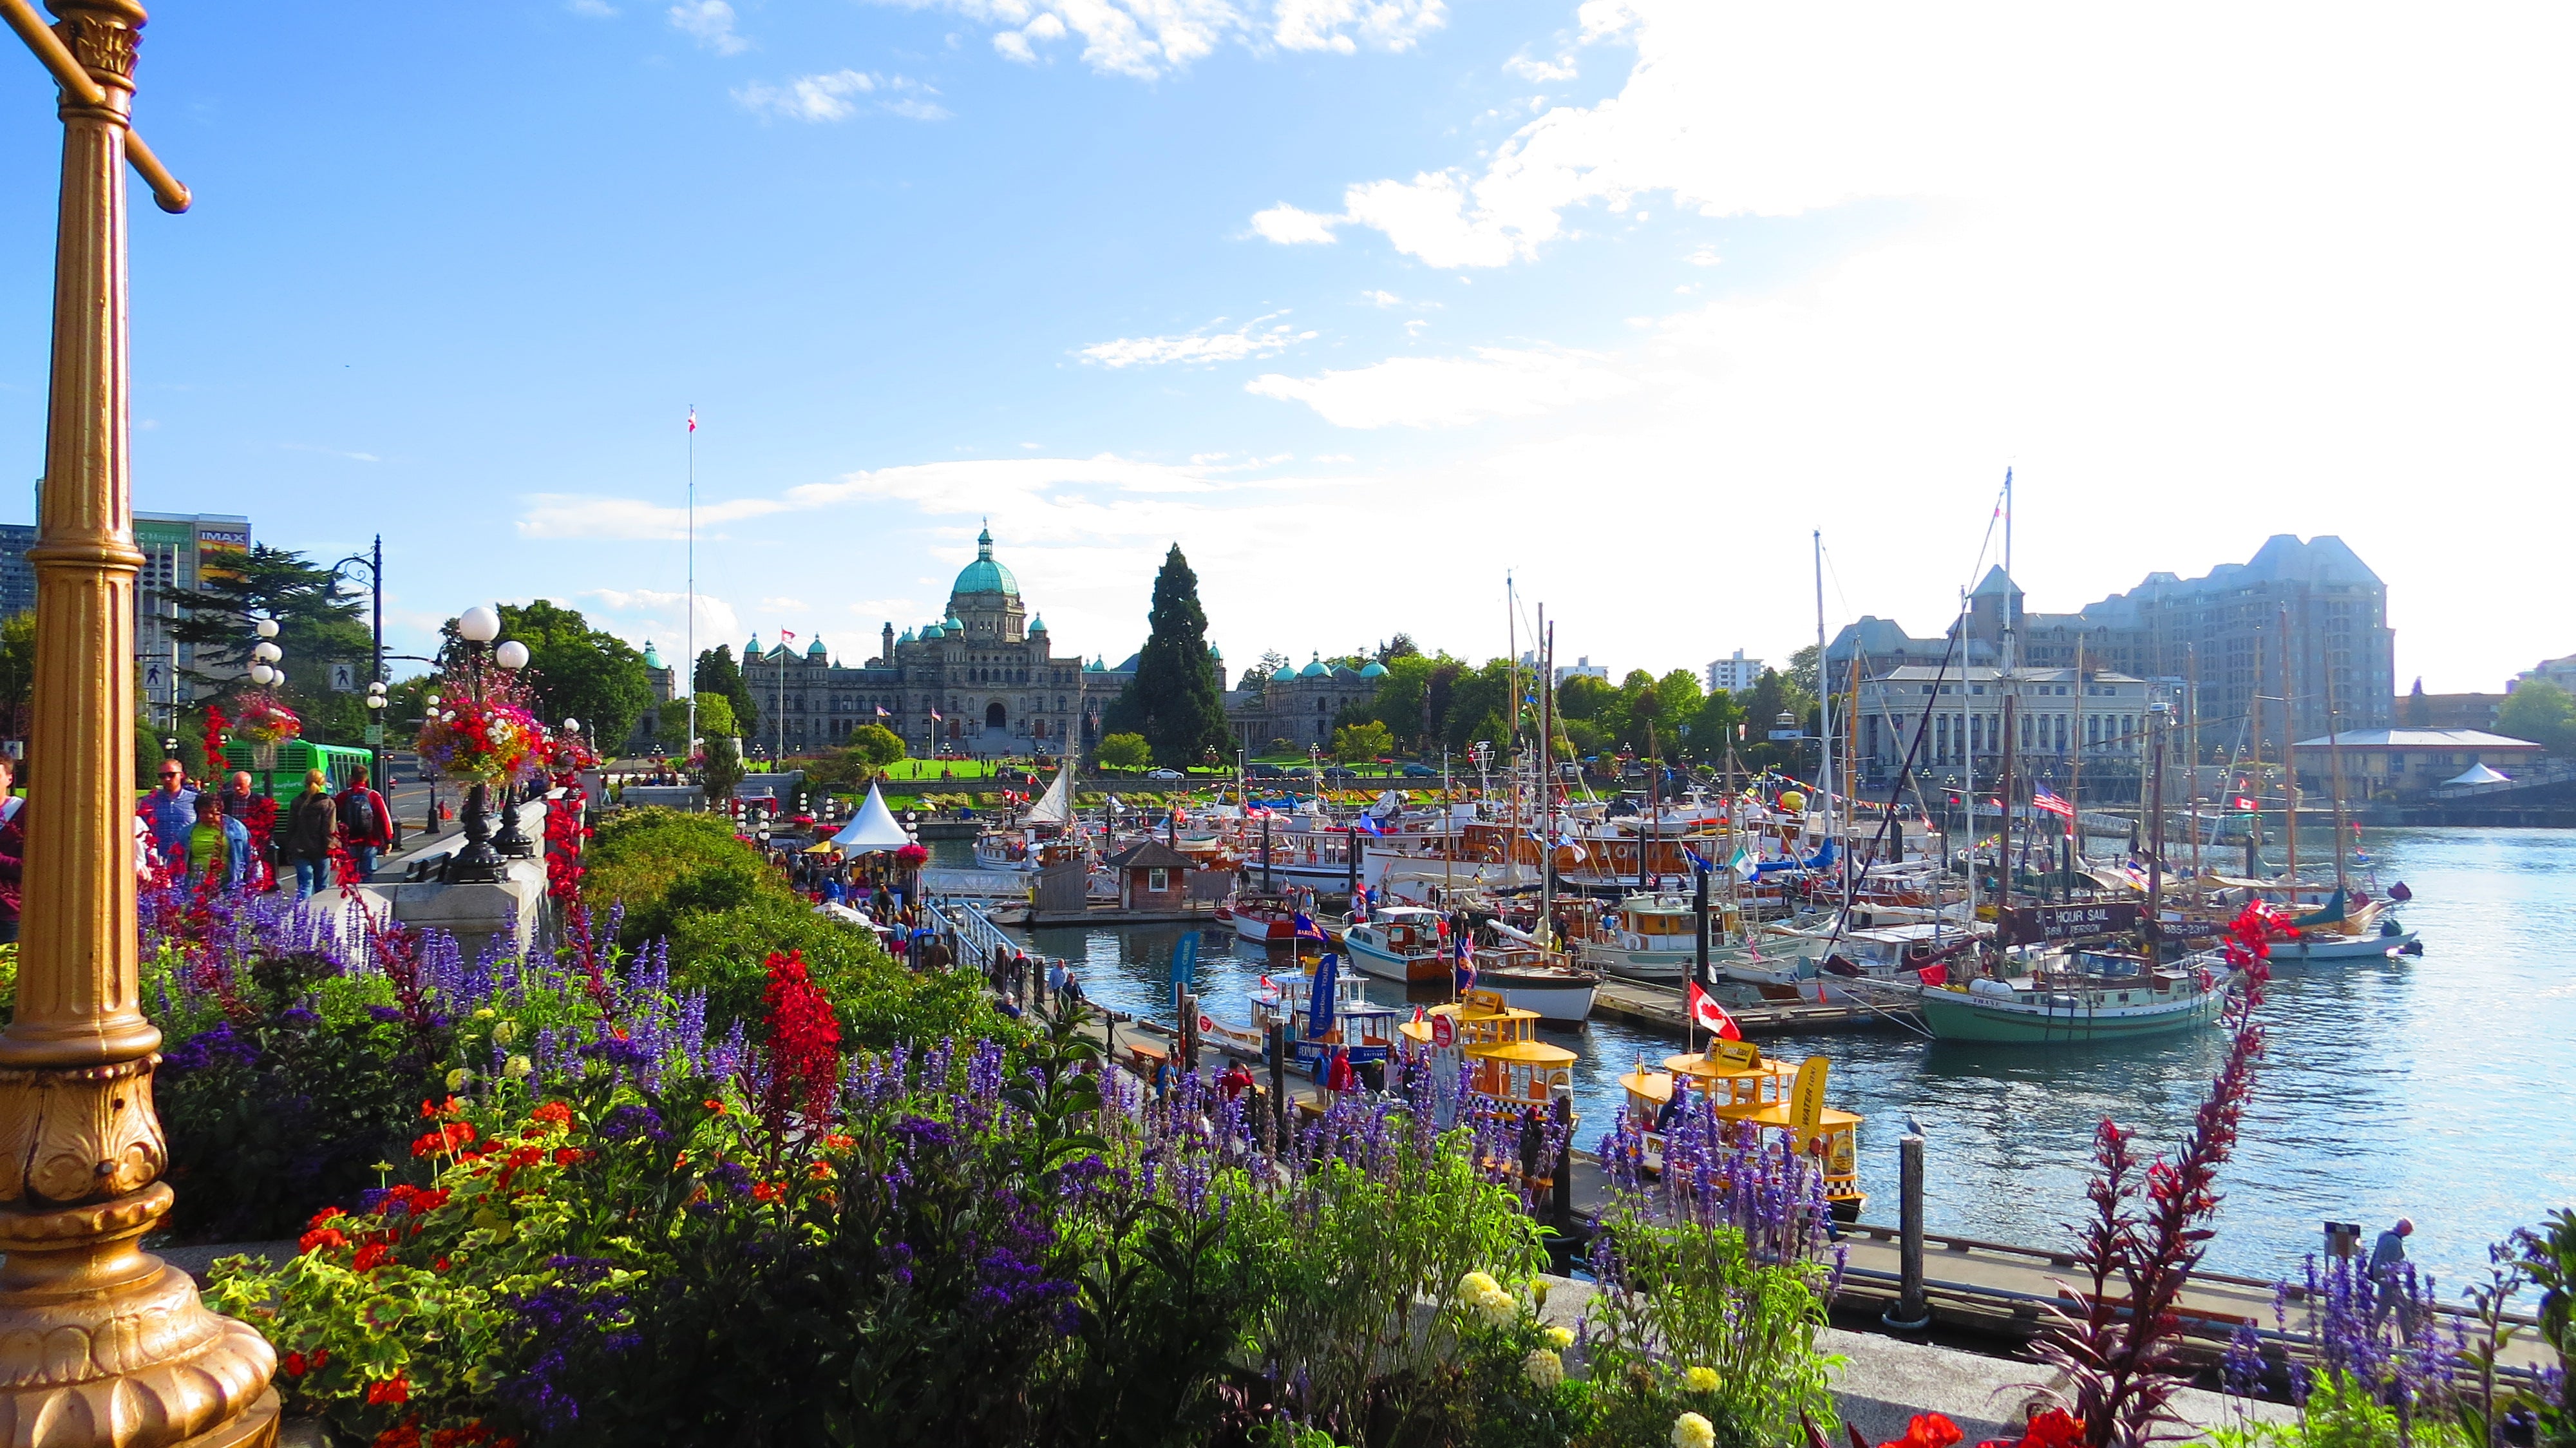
<point>726,952</point>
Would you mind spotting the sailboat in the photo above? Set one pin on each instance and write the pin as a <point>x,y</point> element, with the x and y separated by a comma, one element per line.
<point>1025,846</point>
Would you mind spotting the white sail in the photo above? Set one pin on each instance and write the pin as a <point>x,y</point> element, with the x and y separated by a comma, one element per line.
<point>1055,807</point>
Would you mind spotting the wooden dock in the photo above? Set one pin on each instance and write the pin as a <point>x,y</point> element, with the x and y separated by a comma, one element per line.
<point>1660,1008</point>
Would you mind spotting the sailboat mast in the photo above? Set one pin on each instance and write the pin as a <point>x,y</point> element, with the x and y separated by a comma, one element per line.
<point>2012,699</point>
<point>2075,762</point>
<point>2334,774</point>
<point>2289,755</point>
<point>1546,768</point>
<point>2191,735</point>
<point>1967,758</point>
<point>1824,687</point>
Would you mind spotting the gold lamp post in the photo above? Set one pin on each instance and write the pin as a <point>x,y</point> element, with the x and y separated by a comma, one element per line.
<point>100,1342</point>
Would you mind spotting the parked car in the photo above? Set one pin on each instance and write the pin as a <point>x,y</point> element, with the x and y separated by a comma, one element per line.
<point>1165,774</point>
<point>1420,771</point>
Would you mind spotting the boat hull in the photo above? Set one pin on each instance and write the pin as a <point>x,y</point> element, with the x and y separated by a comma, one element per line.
<point>1957,1016</point>
<point>2332,948</point>
<point>1555,1000</point>
<point>1369,959</point>
<point>1265,930</point>
<point>1652,965</point>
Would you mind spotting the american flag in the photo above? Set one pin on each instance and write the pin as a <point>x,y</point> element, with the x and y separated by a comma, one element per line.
<point>2041,799</point>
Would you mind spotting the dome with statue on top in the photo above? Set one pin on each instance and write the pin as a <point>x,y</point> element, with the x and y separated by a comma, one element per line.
<point>984,575</point>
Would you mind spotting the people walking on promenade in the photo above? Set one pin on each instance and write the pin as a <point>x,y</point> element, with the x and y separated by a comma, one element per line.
<point>13,849</point>
<point>311,825</point>
<point>216,849</point>
<point>366,824</point>
<point>171,810</point>
<point>2388,1279</point>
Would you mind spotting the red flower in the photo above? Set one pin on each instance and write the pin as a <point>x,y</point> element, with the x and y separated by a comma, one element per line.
<point>767,1191</point>
<point>804,1041</point>
<point>320,1357</point>
<point>405,1435</point>
<point>566,1156</point>
<point>395,1389</point>
<point>293,1367</point>
<point>554,1111</point>
<point>2053,1428</point>
<point>324,1215</point>
<point>322,1238</point>
<point>526,1156</point>
<point>1927,1430</point>
<point>371,1257</point>
<point>438,1266</point>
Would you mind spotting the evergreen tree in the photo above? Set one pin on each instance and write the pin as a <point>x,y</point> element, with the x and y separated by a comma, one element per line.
<point>1173,700</point>
<point>318,625</point>
<point>716,674</point>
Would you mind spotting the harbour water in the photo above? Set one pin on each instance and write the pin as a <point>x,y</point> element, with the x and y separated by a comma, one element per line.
<point>2436,1087</point>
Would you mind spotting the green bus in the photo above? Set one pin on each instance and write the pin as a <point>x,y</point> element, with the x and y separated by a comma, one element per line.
<point>294,757</point>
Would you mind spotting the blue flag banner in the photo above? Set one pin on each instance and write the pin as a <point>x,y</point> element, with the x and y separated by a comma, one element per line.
<point>1307,929</point>
<point>1319,1001</point>
<point>1185,959</point>
<point>1698,861</point>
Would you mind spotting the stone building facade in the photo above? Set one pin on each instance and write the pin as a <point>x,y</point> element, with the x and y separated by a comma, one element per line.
<point>1298,705</point>
<point>983,680</point>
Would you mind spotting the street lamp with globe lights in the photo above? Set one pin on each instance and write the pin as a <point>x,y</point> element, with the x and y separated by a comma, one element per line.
<point>479,862</point>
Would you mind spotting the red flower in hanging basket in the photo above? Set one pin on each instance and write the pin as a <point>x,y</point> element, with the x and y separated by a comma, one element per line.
<point>911,856</point>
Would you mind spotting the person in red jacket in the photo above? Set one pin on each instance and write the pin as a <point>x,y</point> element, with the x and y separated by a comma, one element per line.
<point>366,826</point>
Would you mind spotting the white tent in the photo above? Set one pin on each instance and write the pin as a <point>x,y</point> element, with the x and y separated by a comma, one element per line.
<point>2480,774</point>
<point>876,828</point>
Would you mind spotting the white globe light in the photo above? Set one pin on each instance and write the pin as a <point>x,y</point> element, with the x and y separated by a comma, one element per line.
<point>512,655</point>
<point>278,677</point>
<point>266,628</point>
<point>266,652</point>
<point>572,726</point>
<point>261,673</point>
<point>478,625</point>
<point>432,702</point>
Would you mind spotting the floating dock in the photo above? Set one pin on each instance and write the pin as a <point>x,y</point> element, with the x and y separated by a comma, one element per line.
<point>1660,1008</point>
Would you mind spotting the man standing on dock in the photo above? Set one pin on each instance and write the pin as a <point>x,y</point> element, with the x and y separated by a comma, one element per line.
<point>2387,1266</point>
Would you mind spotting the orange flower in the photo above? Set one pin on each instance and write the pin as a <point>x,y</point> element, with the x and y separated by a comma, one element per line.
<point>395,1389</point>
<point>820,1171</point>
<point>767,1191</point>
<point>837,1142</point>
<point>715,1106</point>
<point>1927,1430</point>
<point>556,1112</point>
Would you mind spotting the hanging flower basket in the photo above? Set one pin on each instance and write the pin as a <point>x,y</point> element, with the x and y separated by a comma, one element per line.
<point>911,857</point>
<point>266,721</point>
<point>484,742</point>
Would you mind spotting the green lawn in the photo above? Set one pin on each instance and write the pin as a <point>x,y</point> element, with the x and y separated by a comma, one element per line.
<point>937,769</point>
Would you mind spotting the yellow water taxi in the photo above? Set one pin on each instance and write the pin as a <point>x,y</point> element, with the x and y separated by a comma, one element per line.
<point>1508,1065</point>
<point>1765,1093</point>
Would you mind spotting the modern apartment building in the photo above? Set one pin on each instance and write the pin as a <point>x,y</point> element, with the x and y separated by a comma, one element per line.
<point>180,551</point>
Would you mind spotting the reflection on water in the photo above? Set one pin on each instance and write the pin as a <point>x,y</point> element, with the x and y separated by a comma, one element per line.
<point>2438,1088</point>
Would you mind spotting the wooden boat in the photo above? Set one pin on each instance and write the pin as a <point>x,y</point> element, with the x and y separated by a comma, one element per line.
<point>1742,1085</point>
<point>1268,919</point>
<point>1531,978</point>
<point>2081,996</point>
<point>1400,942</point>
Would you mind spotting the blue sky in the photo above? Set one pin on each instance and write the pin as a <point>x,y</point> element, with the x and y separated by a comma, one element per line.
<point>1363,302</point>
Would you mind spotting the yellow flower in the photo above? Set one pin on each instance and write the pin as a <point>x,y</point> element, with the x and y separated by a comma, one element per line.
<point>505,1032</point>
<point>484,1014</point>
<point>1690,1430</point>
<point>1497,1308</point>
<point>1545,1370</point>
<point>1477,1284</point>
<point>457,1078</point>
<point>517,1068</point>
<point>1700,1380</point>
<point>1560,1338</point>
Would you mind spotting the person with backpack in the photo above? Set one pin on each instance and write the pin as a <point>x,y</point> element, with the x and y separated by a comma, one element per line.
<point>366,825</point>
<point>312,824</point>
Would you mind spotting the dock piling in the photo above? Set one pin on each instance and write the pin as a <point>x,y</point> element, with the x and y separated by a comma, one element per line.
<point>1911,1313</point>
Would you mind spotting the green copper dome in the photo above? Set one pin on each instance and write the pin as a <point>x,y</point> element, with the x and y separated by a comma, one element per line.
<point>1037,625</point>
<point>1314,668</point>
<point>1372,670</point>
<point>652,656</point>
<point>984,575</point>
<point>814,650</point>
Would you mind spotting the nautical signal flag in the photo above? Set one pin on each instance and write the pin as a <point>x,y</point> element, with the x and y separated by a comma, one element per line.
<point>1698,861</point>
<point>1709,1015</point>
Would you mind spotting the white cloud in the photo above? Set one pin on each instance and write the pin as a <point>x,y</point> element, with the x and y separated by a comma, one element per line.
<point>594,9</point>
<point>1562,68</point>
<point>330,452</point>
<point>642,615</point>
<point>1201,345</point>
<point>786,605</point>
<point>830,97</point>
<point>1448,391</point>
<point>710,24</point>
<point>1343,26</point>
<point>573,515</point>
<point>1150,38</point>
<point>1289,226</point>
<point>1381,299</point>
<point>1704,256</point>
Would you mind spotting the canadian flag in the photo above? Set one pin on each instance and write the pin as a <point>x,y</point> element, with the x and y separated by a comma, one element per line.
<point>1709,1015</point>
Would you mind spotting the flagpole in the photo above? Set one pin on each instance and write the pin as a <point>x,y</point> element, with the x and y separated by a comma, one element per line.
<point>691,645</point>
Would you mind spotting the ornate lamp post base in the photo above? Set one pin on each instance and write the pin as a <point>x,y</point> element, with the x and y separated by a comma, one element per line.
<point>512,840</point>
<point>478,863</point>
